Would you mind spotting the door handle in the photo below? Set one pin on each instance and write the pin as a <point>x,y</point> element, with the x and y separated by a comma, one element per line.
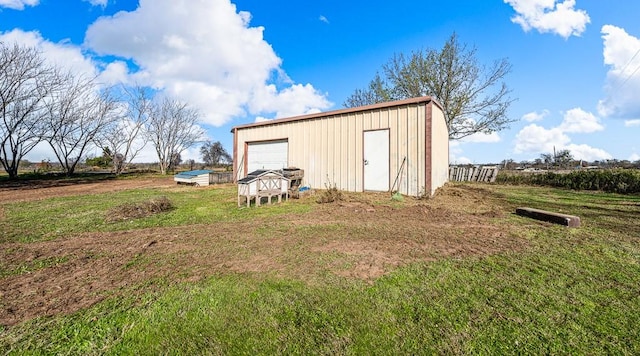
<point>366,162</point>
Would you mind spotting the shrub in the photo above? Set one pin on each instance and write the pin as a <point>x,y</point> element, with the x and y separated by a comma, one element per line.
<point>330,195</point>
<point>624,181</point>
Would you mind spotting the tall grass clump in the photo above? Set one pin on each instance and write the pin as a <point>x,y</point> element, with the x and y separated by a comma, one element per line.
<point>622,181</point>
<point>330,195</point>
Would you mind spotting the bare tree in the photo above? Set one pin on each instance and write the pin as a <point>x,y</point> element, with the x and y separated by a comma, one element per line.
<point>172,127</point>
<point>76,115</point>
<point>473,96</point>
<point>191,163</point>
<point>175,162</point>
<point>123,136</point>
<point>563,158</point>
<point>213,153</point>
<point>25,81</point>
<point>547,159</point>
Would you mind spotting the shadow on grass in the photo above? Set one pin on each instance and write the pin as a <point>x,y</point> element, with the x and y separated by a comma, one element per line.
<point>596,209</point>
<point>51,180</point>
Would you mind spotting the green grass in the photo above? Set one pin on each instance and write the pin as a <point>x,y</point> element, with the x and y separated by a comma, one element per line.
<point>32,266</point>
<point>556,303</point>
<point>60,217</point>
<point>600,212</point>
<point>571,291</point>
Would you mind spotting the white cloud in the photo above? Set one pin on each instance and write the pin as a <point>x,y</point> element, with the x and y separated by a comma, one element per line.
<point>148,154</point>
<point>18,4</point>
<point>480,137</point>
<point>553,16</point>
<point>262,119</point>
<point>114,73</point>
<point>456,146</point>
<point>455,152</point>
<point>323,19</point>
<point>579,121</point>
<point>101,3</point>
<point>459,160</point>
<point>632,123</point>
<point>622,54</point>
<point>587,153</point>
<point>537,139</point>
<point>294,100</point>
<point>192,152</point>
<point>634,157</point>
<point>203,52</point>
<point>62,54</point>
<point>534,139</point>
<point>535,116</point>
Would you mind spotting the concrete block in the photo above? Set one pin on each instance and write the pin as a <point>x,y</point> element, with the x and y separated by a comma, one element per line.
<point>556,218</point>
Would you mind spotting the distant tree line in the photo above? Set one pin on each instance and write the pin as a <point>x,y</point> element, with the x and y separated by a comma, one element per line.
<point>623,181</point>
<point>42,103</point>
<point>559,169</point>
<point>563,160</point>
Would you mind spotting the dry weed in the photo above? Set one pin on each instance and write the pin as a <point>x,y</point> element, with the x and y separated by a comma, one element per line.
<point>139,210</point>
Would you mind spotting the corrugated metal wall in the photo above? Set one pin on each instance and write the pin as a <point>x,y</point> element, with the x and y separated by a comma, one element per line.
<point>329,148</point>
<point>440,151</point>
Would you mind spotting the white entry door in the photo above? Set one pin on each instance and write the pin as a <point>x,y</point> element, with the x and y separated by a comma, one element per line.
<point>376,160</point>
<point>267,155</point>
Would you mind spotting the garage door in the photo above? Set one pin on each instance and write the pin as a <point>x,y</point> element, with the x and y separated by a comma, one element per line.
<point>267,155</point>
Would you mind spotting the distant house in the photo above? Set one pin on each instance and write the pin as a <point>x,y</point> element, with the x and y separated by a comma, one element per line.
<point>401,146</point>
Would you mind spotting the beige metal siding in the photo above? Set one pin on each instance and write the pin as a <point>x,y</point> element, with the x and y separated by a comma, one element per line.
<point>440,150</point>
<point>329,147</point>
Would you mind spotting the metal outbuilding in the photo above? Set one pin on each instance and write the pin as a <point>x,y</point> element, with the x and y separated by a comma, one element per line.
<point>395,146</point>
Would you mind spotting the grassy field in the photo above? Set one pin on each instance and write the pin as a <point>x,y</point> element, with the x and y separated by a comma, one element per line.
<point>459,274</point>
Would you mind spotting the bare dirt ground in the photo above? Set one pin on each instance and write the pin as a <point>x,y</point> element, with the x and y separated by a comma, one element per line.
<point>354,238</point>
<point>44,189</point>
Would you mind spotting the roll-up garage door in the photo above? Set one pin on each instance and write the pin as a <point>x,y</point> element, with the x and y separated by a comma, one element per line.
<point>267,155</point>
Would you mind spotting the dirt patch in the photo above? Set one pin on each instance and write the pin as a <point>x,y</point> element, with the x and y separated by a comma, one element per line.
<point>355,238</point>
<point>139,210</point>
<point>45,189</point>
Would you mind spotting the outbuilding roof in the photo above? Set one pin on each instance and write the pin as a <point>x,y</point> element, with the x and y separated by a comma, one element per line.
<point>423,99</point>
<point>191,174</point>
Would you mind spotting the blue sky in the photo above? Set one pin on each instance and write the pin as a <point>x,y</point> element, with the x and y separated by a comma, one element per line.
<point>576,63</point>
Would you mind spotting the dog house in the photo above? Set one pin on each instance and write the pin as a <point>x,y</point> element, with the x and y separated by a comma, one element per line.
<point>261,184</point>
<point>197,178</point>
